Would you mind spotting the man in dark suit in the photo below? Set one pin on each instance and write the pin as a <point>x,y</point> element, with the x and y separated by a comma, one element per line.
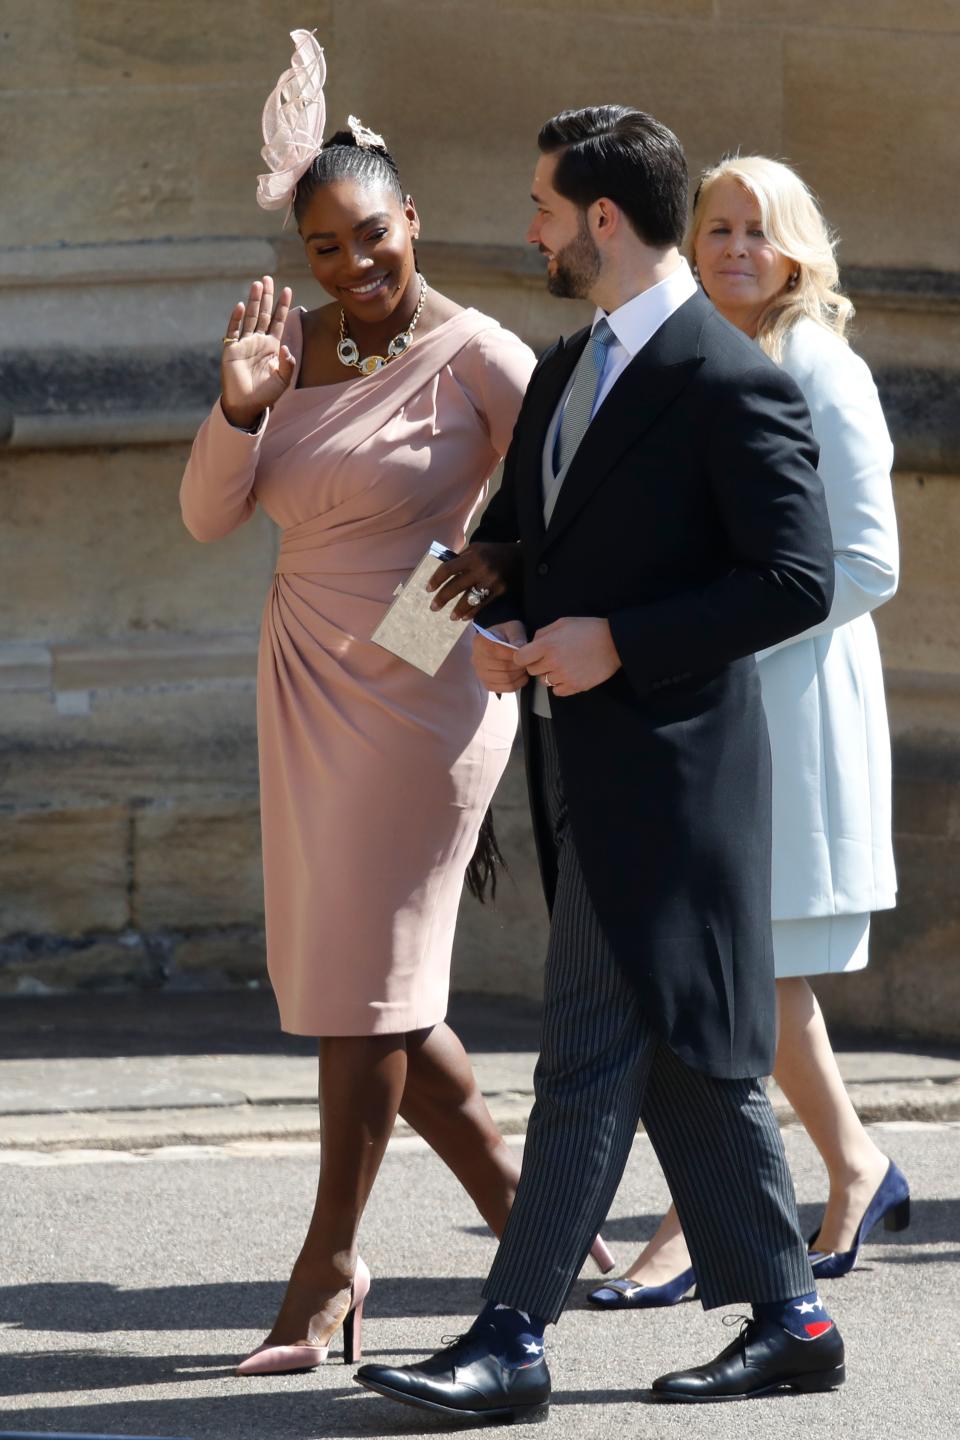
<point>660,520</point>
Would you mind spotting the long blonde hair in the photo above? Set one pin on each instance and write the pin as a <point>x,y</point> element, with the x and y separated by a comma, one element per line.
<point>793,222</point>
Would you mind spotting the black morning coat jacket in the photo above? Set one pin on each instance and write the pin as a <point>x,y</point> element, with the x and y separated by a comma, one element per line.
<point>692,518</point>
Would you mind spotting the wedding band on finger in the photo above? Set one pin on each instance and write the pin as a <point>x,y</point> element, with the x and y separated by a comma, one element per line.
<point>548,682</point>
<point>230,339</point>
<point>477,594</point>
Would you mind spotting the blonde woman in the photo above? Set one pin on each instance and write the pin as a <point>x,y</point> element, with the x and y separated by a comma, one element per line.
<point>765,258</point>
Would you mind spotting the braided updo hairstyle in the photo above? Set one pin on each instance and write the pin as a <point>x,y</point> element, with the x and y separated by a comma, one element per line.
<point>341,158</point>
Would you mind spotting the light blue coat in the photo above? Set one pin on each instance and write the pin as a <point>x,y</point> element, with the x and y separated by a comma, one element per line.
<point>823,690</point>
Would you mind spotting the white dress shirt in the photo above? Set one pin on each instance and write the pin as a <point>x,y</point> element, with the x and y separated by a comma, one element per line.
<point>636,322</point>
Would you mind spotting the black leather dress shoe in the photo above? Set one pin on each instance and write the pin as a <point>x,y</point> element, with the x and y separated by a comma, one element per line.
<point>466,1380</point>
<point>764,1357</point>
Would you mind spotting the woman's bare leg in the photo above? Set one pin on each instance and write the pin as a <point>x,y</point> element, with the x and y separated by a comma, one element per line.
<point>443,1103</point>
<point>664,1256</point>
<point>364,1083</point>
<point>807,1072</point>
<point>361,1084</point>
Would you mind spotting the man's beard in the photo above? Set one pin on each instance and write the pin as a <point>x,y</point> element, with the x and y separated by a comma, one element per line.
<point>575,267</point>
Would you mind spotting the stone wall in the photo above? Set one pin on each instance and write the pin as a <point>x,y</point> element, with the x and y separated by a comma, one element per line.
<point>128,830</point>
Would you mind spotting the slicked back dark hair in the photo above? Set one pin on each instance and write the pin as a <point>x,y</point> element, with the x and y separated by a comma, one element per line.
<point>341,158</point>
<point>626,156</point>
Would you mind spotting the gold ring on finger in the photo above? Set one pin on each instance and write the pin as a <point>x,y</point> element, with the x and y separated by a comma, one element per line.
<point>230,339</point>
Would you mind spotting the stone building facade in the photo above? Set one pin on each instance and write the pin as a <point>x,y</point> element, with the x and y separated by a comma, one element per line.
<point>128,807</point>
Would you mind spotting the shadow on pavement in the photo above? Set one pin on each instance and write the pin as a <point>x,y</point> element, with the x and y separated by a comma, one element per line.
<point>935,1256</point>
<point>83,1307</point>
<point>932,1222</point>
<point>229,1022</point>
<point>90,1308</point>
<point>339,1412</point>
<point>245,1415</point>
<point>46,1372</point>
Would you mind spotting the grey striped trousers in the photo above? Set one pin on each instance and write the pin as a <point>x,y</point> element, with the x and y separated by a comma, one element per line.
<point>601,1069</point>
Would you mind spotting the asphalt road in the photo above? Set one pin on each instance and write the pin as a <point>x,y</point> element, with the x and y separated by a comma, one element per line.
<point>131,1283</point>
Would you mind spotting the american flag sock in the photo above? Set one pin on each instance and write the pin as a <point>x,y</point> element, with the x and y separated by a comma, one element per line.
<point>804,1316</point>
<point>516,1336</point>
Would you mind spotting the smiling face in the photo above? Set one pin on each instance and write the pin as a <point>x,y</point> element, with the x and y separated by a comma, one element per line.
<point>359,244</point>
<point>740,269</point>
<point>560,231</point>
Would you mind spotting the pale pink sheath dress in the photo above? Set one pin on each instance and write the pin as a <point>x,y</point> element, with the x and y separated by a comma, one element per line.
<point>374,777</point>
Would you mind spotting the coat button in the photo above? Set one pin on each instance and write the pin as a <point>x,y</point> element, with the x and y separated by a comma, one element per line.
<point>543,568</point>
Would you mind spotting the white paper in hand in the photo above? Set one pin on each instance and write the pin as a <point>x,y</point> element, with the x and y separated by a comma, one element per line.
<point>497,639</point>
<point>410,629</point>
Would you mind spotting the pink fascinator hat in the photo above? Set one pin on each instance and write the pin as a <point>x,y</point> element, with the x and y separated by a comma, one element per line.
<point>293,121</point>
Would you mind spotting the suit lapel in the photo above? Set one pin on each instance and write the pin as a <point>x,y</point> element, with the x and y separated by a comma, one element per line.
<point>655,375</point>
<point>549,385</point>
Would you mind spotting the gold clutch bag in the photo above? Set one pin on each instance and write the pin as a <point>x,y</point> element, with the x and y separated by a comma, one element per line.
<point>410,629</point>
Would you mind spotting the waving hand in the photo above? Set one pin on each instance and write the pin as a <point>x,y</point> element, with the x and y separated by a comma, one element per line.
<point>256,369</point>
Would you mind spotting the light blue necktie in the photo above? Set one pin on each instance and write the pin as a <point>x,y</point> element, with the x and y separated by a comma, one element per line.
<point>587,376</point>
<point>583,394</point>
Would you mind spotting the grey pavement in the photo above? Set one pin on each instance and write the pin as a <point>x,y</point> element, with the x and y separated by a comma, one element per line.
<point>132,1282</point>
<point>156,1069</point>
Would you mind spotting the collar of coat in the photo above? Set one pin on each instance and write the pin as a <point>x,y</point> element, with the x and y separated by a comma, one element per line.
<point>645,387</point>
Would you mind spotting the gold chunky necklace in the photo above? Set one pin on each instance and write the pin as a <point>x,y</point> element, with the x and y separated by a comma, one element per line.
<point>348,353</point>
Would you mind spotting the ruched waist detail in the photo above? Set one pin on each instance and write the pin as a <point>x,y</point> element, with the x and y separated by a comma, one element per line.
<point>293,561</point>
<point>312,555</point>
<point>332,565</point>
<point>311,549</point>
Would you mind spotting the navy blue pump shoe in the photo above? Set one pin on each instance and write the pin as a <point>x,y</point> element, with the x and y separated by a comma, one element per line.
<point>890,1203</point>
<point>628,1295</point>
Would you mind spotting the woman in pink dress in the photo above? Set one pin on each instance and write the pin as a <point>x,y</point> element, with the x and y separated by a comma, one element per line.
<point>374,777</point>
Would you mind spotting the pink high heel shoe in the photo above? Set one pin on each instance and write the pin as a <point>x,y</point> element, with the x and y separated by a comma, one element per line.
<point>278,1359</point>
<point>601,1256</point>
